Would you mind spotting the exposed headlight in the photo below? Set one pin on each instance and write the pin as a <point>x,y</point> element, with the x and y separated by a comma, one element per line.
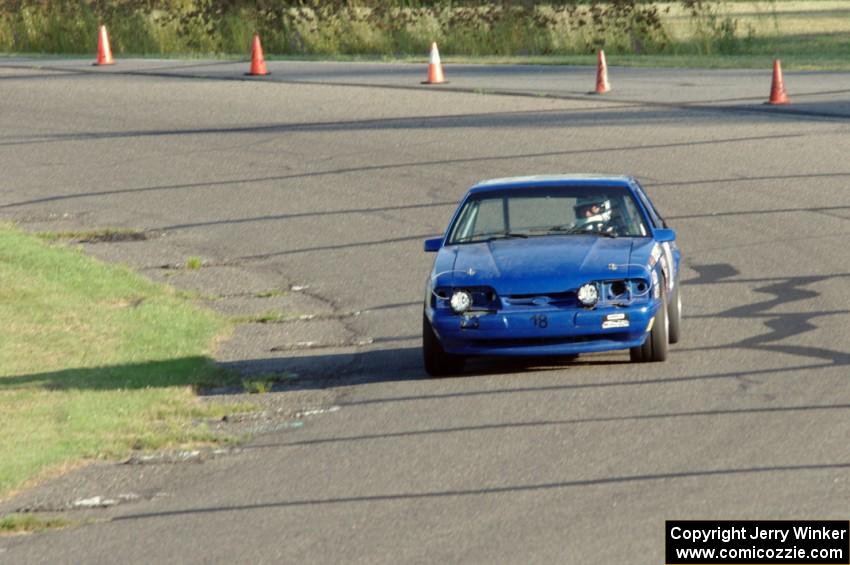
<point>461,301</point>
<point>588,294</point>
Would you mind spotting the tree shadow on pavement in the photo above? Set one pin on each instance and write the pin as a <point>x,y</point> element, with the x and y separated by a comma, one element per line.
<point>194,371</point>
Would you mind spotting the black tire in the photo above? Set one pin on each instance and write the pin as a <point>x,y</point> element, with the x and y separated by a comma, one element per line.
<point>675,314</point>
<point>654,349</point>
<point>438,363</point>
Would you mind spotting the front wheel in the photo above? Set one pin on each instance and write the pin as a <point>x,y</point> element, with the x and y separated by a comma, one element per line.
<point>438,363</point>
<point>654,349</point>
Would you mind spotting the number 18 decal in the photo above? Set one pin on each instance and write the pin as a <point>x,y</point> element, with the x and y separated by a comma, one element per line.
<point>540,320</point>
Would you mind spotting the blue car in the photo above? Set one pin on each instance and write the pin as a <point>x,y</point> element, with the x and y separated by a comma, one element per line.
<point>552,265</point>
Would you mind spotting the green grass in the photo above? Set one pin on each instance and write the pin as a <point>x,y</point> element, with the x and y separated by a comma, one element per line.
<point>262,384</point>
<point>193,294</point>
<point>807,33</point>
<point>27,523</point>
<point>94,236</point>
<point>789,62</point>
<point>95,361</point>
<point>269,317</point>
<point>271,293</point>
<point>194,263</point>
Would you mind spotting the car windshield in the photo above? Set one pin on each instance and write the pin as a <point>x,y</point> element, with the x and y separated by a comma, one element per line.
<point>548,211</point>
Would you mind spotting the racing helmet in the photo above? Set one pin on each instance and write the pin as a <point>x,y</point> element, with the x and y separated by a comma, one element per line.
<point>585,212</point>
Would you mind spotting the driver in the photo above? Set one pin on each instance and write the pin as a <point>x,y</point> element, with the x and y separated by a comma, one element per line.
<point>593,213</point>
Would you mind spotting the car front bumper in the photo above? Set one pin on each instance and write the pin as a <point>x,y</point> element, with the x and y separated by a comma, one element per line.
<point>542,331</point>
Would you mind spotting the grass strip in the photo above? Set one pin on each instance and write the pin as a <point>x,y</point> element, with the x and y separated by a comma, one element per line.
<point>95,236</point>
<point>791,61</point>
<point>95,361</point>
<point>814,29</point>
<point>29,524</point>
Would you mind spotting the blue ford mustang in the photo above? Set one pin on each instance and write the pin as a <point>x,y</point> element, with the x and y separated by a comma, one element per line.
<point>552,265</point>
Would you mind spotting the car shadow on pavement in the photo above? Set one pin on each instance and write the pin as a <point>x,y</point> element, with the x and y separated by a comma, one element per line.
<point>319,371</point>
<point>324,370</point>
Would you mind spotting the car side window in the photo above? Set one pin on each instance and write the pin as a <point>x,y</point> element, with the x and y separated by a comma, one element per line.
<point>631,217</point>
<point>490,218</point>
<point>465,222</point>
<point>654,216</point>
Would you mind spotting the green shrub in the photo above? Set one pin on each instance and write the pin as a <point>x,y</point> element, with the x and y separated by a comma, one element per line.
<point>339,27</point>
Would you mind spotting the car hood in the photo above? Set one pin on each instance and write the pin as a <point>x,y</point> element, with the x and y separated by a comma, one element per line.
<point>537,264</point>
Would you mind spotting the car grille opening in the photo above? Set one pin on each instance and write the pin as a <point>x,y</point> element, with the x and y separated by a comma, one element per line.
<point>558,299</point>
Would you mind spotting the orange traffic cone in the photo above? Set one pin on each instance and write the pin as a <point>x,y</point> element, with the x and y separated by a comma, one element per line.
<point>435,68</point>
<point>777,88</point>
<point>258,63</point>
<point>602,84</point>
<point>104,53</point>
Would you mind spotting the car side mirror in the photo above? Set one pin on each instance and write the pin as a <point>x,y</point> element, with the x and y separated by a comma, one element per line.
<point>433,245</point>
<point>663,235</point>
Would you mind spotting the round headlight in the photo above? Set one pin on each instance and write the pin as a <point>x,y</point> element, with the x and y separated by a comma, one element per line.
<point>588,294</point>
<point>461,301</point>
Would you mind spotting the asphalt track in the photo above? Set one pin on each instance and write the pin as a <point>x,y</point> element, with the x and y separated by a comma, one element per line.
<point>326,177</point>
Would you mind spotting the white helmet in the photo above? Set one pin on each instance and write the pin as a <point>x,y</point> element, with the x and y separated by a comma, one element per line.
<point>594,209</point>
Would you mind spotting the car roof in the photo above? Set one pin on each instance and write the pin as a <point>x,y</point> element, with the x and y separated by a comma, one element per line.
<point>538,181</point>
